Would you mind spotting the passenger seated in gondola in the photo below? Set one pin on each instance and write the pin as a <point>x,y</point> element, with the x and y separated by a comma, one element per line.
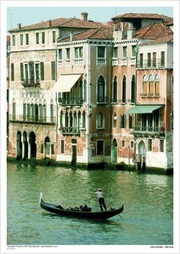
<point>85,208</point>
<point>60,207</point>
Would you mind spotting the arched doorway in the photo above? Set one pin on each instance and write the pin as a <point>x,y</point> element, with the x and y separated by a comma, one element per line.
<point>114,151</point>
<point>25,145</point>
<point>18,145</point>
<point>141,156</point>
<point>32,142</point>
<point>47,148</point>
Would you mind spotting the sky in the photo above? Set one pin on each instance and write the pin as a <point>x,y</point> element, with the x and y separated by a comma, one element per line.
<point>30,15</point>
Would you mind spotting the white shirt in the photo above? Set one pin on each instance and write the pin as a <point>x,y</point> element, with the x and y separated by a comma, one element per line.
<point>99,194</point>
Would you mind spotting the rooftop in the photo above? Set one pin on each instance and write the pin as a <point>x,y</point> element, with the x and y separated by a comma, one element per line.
<point>60,22</point>
<point>153,31</point>
<point>128,16</point>
<point>99,33</point>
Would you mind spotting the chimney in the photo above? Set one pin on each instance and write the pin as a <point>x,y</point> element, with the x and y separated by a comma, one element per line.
<point>49,22</point>
<point>18,25</point>
<point>84,16</point>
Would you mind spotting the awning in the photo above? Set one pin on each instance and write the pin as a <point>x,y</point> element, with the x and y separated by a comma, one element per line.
<point>143,109</point>
<point>65,83</point>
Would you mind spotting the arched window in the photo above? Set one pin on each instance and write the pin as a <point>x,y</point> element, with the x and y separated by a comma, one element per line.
<point>101,89</point>
<point>100,120</point>
<point>62,119</point>
<point>151,84</point>
<point>156,85</point>
<point>145,84</point>
<point>52,111</point>
<point>114,89</point>
<point>84,120</point>
<point>124,90</point>
<point>133,90</point>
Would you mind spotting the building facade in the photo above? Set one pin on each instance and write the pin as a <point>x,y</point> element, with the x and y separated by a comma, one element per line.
<point>92,93</point>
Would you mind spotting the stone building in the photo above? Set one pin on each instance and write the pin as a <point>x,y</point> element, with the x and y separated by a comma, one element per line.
<point>33,72</point>
<point>142,90</point>
<point>93,93</point>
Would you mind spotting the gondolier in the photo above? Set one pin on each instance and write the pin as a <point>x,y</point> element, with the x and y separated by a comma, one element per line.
<point>101,199</point>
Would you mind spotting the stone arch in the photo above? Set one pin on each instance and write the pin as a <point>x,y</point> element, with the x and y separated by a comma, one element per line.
<point>25,145</point>
<point>32,142</point>
<point>18,145</point>
<point>47,147</point>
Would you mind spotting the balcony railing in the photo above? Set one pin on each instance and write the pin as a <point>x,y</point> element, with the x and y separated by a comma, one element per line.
<point>150,95</point>
<point>138,130</point>
<point>150,63</point>
<point>75,101</point>
<point>70,130</point>
<point>31,82</point>
<point>32,119</point>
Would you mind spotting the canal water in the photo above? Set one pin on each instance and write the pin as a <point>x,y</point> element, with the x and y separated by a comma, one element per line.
<point>147,218</point>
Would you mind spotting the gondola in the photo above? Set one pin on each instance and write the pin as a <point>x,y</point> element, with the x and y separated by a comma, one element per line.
<point>59,210</point>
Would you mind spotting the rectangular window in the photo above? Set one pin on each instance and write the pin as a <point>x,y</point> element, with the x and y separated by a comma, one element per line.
<point>53,70</point>
<point>122,121</point>
<point>22,71</point>
<point>78,53</point>
<point>130,122</point>
<point>43,37</point>
<point>37,38</point>
<point>101,52</point>
<point>68,54</point>
<point>161,145</point>
<point>125,52</point>
<point>101,55</point>
<point>60,55</point>
<point>54,36</point>
<point>149,145</point>
<point>27,39</point>
<point>31,71</point>
<point>13,40</point>
<point>141,60</point>
<point>154,59</point>
<point>12,72</point>
<point>62,146</point>
<point>21,39</point>
<point>149,60</point>
<point>37,72</point>
<point>100,147</point>
<point>133,51</point>
<point>162,58</point>
<point>26,72</point>
<point>42,70</point>
<point>115,52</point>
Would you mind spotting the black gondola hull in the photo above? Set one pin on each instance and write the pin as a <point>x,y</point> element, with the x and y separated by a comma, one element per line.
<point>52,208</point>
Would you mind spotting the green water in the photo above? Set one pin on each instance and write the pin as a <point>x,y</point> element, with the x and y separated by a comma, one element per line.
<point>146,220</point>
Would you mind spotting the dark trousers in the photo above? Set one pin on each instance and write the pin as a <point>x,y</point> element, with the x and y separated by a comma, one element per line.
<point>102,204</point>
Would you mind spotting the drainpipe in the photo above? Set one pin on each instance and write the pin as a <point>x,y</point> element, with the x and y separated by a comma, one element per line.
<point>88,96</point>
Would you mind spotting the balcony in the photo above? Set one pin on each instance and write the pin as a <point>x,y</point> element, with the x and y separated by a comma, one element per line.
<point>70,130</point>
<point>75,101</point>
<point>151,64</point>
<point>150,95</point>
<point>32,119</point>
<point>30,83</point>
<point>148,131</point>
